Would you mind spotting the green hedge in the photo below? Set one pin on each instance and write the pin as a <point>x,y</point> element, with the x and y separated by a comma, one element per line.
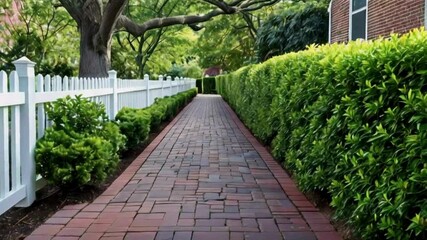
<point>199,85</point>
<point>209,85</point>
<point>136,124</point>
<point>350,120</point>
<point>206,85</point>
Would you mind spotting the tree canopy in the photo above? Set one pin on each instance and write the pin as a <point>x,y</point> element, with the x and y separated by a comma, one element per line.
<point>98,20</point>
<point>40,31</point>
<point>292,29</point>
<point>137,37</point>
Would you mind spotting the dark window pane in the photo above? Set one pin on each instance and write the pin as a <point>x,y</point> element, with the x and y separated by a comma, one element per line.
<point>358,25</point>
<point>357,4</point>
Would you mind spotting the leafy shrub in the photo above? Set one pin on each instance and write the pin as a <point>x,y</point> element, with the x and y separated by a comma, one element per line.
<point>208,85</point>
<point>349,120</point>
<point>157,113</point>
<point>81,146</point>
<point>293,29</point>
<point>169,105</point>
<point>134,124</point>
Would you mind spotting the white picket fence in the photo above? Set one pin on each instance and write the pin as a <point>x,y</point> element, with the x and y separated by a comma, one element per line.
<point>23,119</point>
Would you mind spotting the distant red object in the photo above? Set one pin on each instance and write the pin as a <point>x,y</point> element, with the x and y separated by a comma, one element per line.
<point>11,16</point>
<point>212,71</point>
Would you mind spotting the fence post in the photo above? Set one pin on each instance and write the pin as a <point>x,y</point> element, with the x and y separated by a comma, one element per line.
<point>161,82</point>
<point>169,78</point>
<point>26,77</point>
<point>147,82</point>
<point>114,103</point>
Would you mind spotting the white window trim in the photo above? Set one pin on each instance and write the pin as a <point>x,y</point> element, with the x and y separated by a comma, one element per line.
<point>330,22</point>
<point>351,19</point>
<point>425,14</point>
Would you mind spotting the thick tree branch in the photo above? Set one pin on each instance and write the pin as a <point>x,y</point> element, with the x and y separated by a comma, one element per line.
<point>112,11</point>
<point>195,27</point>
<point>139,29</point>
<point>228,9</point>
<point>73,8</point>
<point>191,20</point>
<point>92,11</point>
<point>256,5</point>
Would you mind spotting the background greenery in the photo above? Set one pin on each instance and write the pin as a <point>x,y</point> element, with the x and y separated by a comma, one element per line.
<point>349,120</point>
<point>292,29</point>
<point>206,85</point>
<point>47,35</point>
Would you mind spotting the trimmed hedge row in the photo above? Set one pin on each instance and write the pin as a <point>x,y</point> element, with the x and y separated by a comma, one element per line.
<point>206,85</point>
<point>136,124</point>
<point>209,85</point>
<point>350,120</point>
<point>199,85</point>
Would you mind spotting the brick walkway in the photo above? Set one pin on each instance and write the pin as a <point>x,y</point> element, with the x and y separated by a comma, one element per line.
<point>204,177</point>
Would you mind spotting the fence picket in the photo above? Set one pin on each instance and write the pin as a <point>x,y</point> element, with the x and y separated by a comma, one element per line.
<point>65,84</point>
<point>41,119</point>
<point>72,83</point>
<point>58,83</point>
<point>4,140</point>
<point>47,84</point>
<point>15,135</point>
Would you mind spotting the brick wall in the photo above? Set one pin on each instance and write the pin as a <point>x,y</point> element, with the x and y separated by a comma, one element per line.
<point>340,20</point>
<point>384,17</point>
<point>397,16</point>
<point>11,16</point>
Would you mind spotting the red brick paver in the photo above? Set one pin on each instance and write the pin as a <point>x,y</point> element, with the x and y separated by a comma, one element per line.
<point>204,177</point>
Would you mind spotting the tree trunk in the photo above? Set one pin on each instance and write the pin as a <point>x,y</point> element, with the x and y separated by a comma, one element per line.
<point>94,58</point>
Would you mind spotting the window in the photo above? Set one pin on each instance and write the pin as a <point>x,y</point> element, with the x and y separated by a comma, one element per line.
<point>358,19</point>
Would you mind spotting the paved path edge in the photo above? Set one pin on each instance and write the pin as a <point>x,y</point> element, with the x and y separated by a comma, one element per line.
<point>131,170</point>
<point>310,213</point>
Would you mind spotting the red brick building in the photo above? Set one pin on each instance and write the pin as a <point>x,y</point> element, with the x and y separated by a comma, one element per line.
<point>10,16</point>
<point>368,19</point>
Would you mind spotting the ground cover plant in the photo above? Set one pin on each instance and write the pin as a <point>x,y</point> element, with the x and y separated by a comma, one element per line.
<point>349,120</point>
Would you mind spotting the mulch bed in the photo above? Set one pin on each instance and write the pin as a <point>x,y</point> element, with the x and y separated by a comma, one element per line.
<point>17,223</point>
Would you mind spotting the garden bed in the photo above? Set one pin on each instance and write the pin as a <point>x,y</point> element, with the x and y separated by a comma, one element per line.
<point>17,223</point>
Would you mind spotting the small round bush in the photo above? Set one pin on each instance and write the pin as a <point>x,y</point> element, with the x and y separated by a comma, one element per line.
<point>81,146</point>
<point>135,125</point>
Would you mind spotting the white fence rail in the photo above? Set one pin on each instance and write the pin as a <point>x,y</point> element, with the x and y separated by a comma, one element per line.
<point>23,118</point>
